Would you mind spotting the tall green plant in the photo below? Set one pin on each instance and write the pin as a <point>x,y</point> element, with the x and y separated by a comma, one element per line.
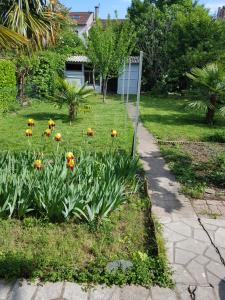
<point>212,77</point>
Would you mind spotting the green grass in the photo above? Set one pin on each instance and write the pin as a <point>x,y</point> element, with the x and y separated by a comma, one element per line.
<point>102,118</point>
<point>34,248</point>
<point>168,119</point>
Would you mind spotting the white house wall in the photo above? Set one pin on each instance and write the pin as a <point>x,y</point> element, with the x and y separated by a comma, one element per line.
<point>84,29</point>
<point>133,86</point>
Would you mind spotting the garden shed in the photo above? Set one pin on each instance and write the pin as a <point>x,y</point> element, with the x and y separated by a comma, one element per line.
<point>79,71</point>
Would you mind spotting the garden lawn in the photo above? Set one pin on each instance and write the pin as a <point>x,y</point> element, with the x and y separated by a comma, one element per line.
<point>168,119</point>
<point>195,165</point>
<point>32,248</point>
<point>101,117</point>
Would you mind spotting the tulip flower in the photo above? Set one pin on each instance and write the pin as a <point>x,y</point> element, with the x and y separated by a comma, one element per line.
<point>70,164</point>
<point>70,156</point>
<point>38,164</point>
<point>114,133</point>
<point>29,132</point>
<point>90,132</point>
<point>58,137</point>
<point>51,124</point>
<point>47,132</point>
<point>30,122</point>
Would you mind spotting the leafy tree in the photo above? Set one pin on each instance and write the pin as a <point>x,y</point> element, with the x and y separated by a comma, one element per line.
<point>175,39</point>
<point>108,48</point>
<point>212,78</point>
<point>71,95</point>
<point>162,3</point>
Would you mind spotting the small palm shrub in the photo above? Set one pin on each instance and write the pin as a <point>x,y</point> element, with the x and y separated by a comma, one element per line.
<point>212,78</point>
<point>90,191</point>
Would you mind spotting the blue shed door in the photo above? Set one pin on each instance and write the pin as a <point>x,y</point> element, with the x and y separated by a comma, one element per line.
<point>133,80</point>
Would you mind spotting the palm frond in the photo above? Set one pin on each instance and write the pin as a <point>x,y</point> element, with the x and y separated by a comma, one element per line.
<point>10,39</point>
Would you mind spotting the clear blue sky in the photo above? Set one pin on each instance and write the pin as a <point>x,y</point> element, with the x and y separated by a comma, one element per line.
<point>109,6</point>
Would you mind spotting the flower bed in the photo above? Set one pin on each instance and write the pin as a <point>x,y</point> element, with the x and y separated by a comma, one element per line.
<point>60,189</point>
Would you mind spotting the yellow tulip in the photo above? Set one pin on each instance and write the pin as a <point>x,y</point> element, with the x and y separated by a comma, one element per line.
<point>70,164</point>
<point>58,137</point>
<point>90,132</point>
<point>114,133</point>
<point>51,124</point>
<point>30,122</point>
<point>47,132</point>
<point>69,156</point>
<point>29,132</point>
<point>38,164</point>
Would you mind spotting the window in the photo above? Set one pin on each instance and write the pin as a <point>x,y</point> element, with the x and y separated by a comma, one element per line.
<point>73,67</point>
<point>76,17</point>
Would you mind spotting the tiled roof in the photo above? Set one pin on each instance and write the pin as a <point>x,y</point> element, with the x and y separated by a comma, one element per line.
<point>85,59</point>
<point>80,18</point>
<point>78,59</point>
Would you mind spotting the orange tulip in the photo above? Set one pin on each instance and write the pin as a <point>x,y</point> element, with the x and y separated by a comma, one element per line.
<point>47,132</point>
<point>30,122</point>
<point>90,132</point>
<point>38,164</point>
<point>51,124</point>
<point>58,137</point>
<point>71,164</point>
<point>114,133</point>
<point>29,132</point>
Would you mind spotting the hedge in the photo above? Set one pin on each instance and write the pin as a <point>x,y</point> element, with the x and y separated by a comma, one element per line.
<point>7,84</point>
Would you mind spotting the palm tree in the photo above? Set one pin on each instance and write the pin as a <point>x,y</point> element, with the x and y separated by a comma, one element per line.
<point>212,78</point>
<point>33,19</point>
<point>10,39</point>
<point>72,95</point>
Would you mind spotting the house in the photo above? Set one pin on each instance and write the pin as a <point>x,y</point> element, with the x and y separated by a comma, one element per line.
<point>83,21</point>
<point>221,13</point>
<point>79,71</point>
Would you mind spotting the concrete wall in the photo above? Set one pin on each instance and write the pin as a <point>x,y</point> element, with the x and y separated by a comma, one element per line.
<point>133,80</point>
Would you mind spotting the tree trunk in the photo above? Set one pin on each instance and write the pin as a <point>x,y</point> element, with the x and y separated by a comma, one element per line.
<point>105,89</point>
<point>72,112</point>
<point>211,110</point>
<point>93,77</point>
<point>21,87</point>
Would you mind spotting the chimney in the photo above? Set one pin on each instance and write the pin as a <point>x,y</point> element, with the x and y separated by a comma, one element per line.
<point>96,12</point>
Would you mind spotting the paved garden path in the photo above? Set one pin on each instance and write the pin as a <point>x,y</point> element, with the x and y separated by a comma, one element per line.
<point>195,247</point>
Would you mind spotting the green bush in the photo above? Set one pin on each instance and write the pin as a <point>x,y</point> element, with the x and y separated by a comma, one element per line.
<point>97,186</point>
<point>7,84</point>
<point>217,137</point>
<point>45,69</point>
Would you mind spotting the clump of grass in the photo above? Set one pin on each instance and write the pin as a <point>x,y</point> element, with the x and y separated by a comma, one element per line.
<point>216,137</point>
